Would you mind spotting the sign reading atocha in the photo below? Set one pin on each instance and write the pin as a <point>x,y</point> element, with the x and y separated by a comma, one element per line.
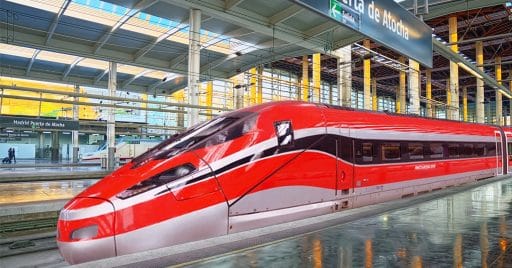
<point>37,123</point>
<point>383,21</point>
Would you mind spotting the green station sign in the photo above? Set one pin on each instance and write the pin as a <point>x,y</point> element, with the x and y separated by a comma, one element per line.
<point>383,21</point>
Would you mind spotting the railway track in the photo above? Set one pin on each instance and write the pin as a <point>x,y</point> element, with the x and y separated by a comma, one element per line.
<point>27,244</point>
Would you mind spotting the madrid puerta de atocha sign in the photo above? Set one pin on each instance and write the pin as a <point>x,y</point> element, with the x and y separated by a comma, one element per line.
<point>37,123</point>
<point>384,21</point>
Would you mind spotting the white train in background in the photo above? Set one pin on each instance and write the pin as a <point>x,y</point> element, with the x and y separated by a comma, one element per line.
<point>126,149</point>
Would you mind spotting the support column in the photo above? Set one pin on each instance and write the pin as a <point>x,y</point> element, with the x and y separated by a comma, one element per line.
<point>144,133</point>
<point>401,104</point>
<point>317,65</point>
<point>74,133</point>
<point>465,103</point>
<point>448,100</point>
<point>180,117</point>
<point>510,100</point>
<point>480,111</point>
<point>428,88</point>
<point>454,71</point>
<point>499,98</point>
<point>414,86</point>
<point>344,66</point>
<point>209,97</point>
<point>374,94</point>
<point>259,97</point>
<point>194,48</point>
<point>367,103</point>
<point>305,78</point>
<point>55,157</point>
<point>111,118</point>
<point>252,83</point>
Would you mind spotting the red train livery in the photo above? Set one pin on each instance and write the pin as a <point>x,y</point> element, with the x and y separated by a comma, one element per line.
<point>268,164</point>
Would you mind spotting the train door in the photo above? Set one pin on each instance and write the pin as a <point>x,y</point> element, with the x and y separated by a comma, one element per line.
<point>499,154</point>
<point>508,140</point>
<point>344,166</point>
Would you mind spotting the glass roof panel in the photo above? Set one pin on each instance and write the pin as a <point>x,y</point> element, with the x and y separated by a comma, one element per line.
<point>92,63</point>
<point>56,57</point>
<point>48,5</point>
<point>16,51</point>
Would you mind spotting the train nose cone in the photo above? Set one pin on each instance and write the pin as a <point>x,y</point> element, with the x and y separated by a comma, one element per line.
<point>85,230</point>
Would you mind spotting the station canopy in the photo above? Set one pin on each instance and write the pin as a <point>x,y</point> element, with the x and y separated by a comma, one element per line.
<point>73,41</point>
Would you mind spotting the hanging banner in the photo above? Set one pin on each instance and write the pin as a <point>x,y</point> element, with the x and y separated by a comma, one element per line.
<point>383,21</point>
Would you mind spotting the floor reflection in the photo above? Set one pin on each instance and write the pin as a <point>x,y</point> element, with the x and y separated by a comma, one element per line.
<point>469,229</point>
<point>11,193</point>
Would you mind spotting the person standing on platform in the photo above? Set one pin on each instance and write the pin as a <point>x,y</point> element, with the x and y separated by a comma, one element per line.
<point>9,155</point>
<point>14,154</point>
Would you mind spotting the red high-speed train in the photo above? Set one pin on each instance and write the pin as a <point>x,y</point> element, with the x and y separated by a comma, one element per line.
<point>268,164</point>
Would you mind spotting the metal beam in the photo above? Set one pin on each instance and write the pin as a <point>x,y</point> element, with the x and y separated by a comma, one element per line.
<point>258,23</point>
<point>100,76</point>
<point>141,5</point>
<point>229,4</point>
<point>55,22</point>
<point>34,56</point>
<point>446,52</point>
<point>178,60</point>
<point>159,39</point>
<point>71,66</point>
<point>320,29</point>
<point>129,81</point>
<point>115,98</point>
<point>285,14</point>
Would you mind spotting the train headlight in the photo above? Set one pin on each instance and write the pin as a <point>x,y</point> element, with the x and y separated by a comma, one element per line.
<point>158,180</point>
<point>84,233</point>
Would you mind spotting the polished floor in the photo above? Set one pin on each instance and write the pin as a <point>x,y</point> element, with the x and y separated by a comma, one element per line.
<point>469,229</point>
<point>14,193</point>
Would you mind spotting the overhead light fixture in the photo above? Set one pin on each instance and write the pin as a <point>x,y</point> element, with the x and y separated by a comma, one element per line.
<point>469,70</point>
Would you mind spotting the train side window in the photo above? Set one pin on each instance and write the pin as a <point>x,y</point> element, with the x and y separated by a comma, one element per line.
<point>467,150</point>
<point>367,151</point>
<point>509,145</point>
<point>415,151</point>
<point>453,150</point>
<point>479,149</point>
<point>491,149</point>
<point>284,133</point>
<point>390,151</point>
<point>436,150</point>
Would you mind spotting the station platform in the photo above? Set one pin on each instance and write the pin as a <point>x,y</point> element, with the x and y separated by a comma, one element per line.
<point>50,173</point>
<point>463,226</point>
<point>35,192</point>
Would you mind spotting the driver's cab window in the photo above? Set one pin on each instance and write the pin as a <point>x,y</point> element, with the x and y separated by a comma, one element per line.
<point>284,133</point>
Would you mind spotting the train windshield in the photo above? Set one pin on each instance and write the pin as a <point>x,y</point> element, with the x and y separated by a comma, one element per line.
<point>215,131</point>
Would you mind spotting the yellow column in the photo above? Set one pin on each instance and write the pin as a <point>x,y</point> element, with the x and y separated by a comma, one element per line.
<point>209,97</point>
<point>510,88</point>
<point>397,100</point>
<point>374,94</point>
<point>428,74</point>
<point>465,103</point>
<point>180,97</point>
<point>454,71</point>
<point>448,100</point>
<point>252,94</point>
<point>305,78</point>
<point>499,99</point>
<point>480,111</point>
<point>367,104</point>
<point>317,65</point>
<point>401,103</point>
<point>259,97</point>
